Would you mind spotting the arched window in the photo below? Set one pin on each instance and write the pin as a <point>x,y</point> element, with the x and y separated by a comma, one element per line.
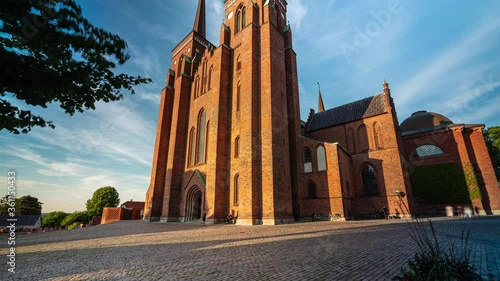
<point>362,138</point>
<point>238,94</point>
<point>192,146</point>
<point>351,142</point>
<point>207,133</point>
<point>204,78</point>
<point>202,116</point>
<point>237,147</point>
<point>197,87</point>
<point>427,150</point>
<point>307,155</point>
<point>321,157</point>
<point>241,19</point>
<point>238,63</point>
<point>377,135</point>
<point>210,77</point>
<point>307,160</point>
<point>370,184</point>
<point>179,66</point>
<point>311,190</point>
<point>236,189</point>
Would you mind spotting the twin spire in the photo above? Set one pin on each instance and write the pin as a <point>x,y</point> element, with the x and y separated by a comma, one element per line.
<point>199,21</point>
<point>321,106</point>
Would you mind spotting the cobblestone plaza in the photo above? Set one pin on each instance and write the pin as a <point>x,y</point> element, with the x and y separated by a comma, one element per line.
<point>134,250</point>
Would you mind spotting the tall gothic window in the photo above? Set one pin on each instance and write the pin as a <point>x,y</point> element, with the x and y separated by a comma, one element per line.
<point>351,142</point>
<point>210,77</point>
<point>238,94</point>
<point>311,190</point>
<point>197,87</point>
<point>236,189</point>
<point>370,184</point>
<point>204,79</point>
<point>377,135</point>
<point>321,157</point>
<point>362,139</point>
<point>307,160</point>
<point>179,66</point>
<point>192,146</point>
<point>202,116</point>
<point>241,19</point>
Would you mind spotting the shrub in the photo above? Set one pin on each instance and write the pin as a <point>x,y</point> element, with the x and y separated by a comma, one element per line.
<point>76,217</point>
<point>433,261</point>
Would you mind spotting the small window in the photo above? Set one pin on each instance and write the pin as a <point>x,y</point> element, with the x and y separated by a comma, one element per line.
<point>236,189</point>
<point>237,147</point>
<point>311,190</point>
<point>427,150</point>
<point>238,93</point>
<point>238,63</point>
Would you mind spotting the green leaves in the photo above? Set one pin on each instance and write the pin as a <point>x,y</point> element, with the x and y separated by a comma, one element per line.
<point>492,138</point>
<point>103,197</point>
<point>51,53</point>
<point>53,219</point>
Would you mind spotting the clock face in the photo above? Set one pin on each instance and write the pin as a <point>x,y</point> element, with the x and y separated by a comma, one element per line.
<point>230,16</point>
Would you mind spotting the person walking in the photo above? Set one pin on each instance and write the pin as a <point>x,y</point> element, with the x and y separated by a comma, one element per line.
<point>386,213</point>
<point>203,218</point>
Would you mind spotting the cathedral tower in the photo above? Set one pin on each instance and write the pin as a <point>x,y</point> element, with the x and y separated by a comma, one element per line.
<point>229,122</point>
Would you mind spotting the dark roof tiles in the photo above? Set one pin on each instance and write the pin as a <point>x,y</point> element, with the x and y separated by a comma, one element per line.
<point>353,111</point>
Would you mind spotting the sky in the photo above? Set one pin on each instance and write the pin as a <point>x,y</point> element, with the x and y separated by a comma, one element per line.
<point>439,56</point>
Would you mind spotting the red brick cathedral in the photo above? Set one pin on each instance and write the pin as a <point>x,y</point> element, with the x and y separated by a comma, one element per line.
<point>230,138</point>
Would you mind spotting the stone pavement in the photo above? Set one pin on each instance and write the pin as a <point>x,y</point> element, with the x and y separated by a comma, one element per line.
<point>134,250</point>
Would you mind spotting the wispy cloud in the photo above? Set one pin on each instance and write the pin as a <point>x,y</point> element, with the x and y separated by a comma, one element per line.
<point>453,56</point>
<point>296,12</point>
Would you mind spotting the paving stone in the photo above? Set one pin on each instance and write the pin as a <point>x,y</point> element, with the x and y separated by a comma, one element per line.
<point>135,250</point>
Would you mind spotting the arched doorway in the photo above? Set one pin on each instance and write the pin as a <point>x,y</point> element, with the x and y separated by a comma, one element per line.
<point>193,204</point>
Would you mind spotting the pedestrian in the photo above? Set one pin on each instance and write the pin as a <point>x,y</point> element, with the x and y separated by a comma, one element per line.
<point>203,218</point>
<point>386,213</point>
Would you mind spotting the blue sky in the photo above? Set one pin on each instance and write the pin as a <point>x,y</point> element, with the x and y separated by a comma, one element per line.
<point>439,56</point>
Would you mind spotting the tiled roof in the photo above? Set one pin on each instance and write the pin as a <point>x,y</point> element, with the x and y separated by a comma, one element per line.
<point>21,220</point>
<point>133,204</point>
<point>353,111</point>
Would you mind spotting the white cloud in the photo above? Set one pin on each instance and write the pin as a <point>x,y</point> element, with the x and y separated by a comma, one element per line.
<point>451,58</point>
<point>296,12</point>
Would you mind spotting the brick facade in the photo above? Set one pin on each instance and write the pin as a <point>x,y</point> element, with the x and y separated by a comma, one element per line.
<point>229,136</point>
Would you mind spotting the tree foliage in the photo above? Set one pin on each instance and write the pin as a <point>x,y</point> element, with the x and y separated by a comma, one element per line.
<point>4,205</point>
<point>492,138</point>
<point>103,197</point>
<point>49,53</point>
<point>76,217</point>
<point>28,205</point>
<point>53,219</point>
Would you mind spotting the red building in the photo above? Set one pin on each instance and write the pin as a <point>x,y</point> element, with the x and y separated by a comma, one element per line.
<point>230,138</point>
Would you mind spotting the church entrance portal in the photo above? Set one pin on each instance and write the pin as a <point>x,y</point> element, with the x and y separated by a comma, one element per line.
<point>193,205</point>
